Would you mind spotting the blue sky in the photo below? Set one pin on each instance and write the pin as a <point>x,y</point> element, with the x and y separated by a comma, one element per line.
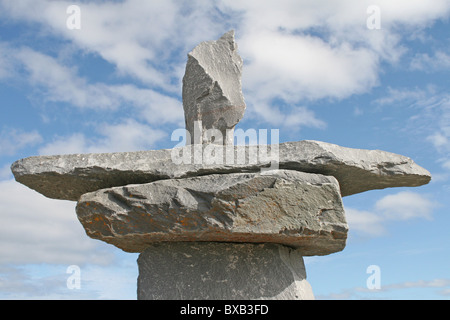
<point>312,69</point>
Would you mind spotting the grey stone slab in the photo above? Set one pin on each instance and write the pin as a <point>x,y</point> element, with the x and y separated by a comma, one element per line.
<point>222,271</point>
<point>297,209</point>
<point>212,89</point>
<point>69,176</point>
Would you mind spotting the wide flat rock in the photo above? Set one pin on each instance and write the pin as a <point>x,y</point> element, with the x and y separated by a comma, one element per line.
<point>293,208</point>
<point>67,177</point>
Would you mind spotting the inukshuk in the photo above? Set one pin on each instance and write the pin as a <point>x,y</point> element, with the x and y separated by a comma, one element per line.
<point>219,229</point>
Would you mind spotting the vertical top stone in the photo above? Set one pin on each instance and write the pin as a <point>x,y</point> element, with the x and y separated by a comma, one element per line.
<point>212,90</point>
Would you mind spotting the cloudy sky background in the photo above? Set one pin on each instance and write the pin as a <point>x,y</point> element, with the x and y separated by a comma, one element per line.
<point>312,69</point>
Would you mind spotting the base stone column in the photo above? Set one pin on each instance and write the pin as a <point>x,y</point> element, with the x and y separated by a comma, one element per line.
<point>221,271</point>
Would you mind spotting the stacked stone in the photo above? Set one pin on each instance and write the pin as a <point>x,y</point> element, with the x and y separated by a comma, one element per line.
<point>219,229</point>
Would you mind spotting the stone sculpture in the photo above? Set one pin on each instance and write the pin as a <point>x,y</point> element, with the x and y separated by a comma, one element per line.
<point>219,229</point>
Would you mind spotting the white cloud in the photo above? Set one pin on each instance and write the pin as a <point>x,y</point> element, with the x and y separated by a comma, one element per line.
<point>362,293</point>
<point>12,140</point>
<point>73,144</point>
<point>5,66</point>
<point>439,140</point>
<point>303,117</point>
<point>60,83</point>
<point>439,61</point>
<point>430,119</point>
<point>435,283</point>
<point>435,118</point>
<point>279,117</point>
<point>56,82</point>
<point>126,136</point>
<point>415,13</point>
<point>395,96</point>
<point>49,281</point>
<point>402,206</point>
<point>304,67</point>
<point>320,49</point>
<point>446,164</point>
<point>137,37</point>
<point>304,49</point>
<point>36,229</point>
<point>365,222</point>
<point>405,205</point>
<point>154,107</point>
<point>5,172</point>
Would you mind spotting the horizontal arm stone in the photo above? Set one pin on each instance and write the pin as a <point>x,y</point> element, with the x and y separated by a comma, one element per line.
<point>67,177</point>
<point>292,208</point>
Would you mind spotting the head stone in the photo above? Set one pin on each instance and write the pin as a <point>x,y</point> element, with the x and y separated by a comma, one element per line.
<point>212,91</point>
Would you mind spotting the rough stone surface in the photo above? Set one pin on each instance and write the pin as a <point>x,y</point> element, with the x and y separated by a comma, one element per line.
<point>212,90</point>
<point>67,177</point>
<point>216,271</point>
<point>287,207</point>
